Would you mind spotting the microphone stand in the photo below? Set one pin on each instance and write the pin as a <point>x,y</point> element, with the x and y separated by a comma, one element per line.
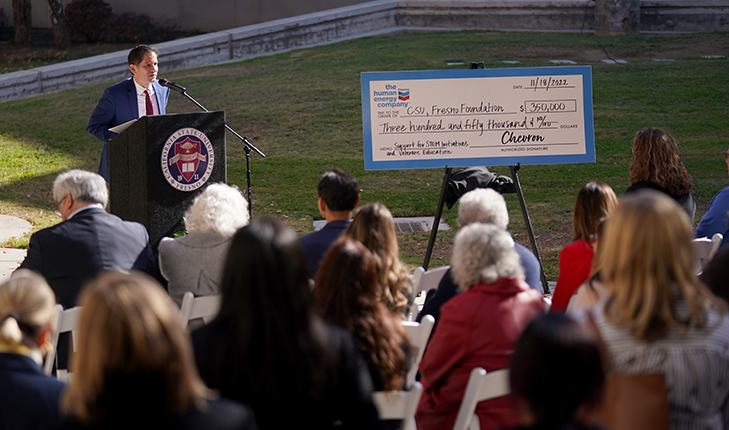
<point>248,145</point>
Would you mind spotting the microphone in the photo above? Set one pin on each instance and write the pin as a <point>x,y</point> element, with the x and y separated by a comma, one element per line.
<point>169,84</point>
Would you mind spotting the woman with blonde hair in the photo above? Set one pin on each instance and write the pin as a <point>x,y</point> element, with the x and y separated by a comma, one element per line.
<point>347,293</point>
<point>659,318</point>
<point>194,262</point>
<point>374,228</point>
<point>134,366</point>
<point>28,398</point>
<point>595,201</point>
<point>657,165</point>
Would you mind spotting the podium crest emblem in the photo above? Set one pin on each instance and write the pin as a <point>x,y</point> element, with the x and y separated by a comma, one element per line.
<point>187,159</point>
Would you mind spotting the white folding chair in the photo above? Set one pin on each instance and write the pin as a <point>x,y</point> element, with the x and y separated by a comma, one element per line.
<point>418,334</point>
<point>705,249</point>
<point>424,281</point>
<point>65,321</point>
<point>398,405</point>
<point>205,307</point>
<point>481,386</point>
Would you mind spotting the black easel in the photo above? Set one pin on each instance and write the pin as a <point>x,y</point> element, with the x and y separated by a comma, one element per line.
<point>528,223</point>
<point>248,146</point>
<point>438,214</point>
<point>522,203</point>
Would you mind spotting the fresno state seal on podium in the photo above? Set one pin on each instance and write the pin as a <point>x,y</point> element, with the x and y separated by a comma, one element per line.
<point>187,159</point>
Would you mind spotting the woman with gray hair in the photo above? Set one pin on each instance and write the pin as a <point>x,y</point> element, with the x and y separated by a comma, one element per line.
<point>478,328</point>
<point>194,262</point>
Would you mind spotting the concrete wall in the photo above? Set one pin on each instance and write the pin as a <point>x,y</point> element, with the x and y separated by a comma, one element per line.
<point>200,15</point>
<point>367,19</point>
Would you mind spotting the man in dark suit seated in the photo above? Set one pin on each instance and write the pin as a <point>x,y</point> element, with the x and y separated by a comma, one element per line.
<point>482,205</point>
<point>130,99</point>
<point>88,240</point>
<point>338,196</point>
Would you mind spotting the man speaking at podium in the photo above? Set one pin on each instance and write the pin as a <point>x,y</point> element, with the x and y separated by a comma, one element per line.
<point>130,99</point>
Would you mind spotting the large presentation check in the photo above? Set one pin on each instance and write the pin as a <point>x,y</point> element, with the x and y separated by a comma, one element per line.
<point>424,119</point>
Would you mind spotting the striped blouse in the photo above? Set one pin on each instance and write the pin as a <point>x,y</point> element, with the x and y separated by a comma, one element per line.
<point>695,363</point>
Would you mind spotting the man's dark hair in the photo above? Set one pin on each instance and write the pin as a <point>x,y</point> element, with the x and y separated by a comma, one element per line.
<point>339,191</point>
<point>136,55</point>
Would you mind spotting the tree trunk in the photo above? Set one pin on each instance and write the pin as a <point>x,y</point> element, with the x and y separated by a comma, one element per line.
<point>21,13</point>
<point>60,25</point>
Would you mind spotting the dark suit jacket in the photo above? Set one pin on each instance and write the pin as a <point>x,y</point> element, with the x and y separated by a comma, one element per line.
<point>28,398</point>
<point>117,106</point>
<point>347,398</point>
<point>317,244</point>
<point>72,252</point>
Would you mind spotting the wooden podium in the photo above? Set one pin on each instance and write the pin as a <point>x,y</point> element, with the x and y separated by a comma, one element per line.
<point>160,163</point>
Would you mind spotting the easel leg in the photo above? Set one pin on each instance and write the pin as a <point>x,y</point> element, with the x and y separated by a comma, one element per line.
<point>528,222</point>
<point>438,214</point>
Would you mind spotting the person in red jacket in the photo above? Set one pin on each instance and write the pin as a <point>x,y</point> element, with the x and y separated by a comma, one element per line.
<point>595,201</point>
<point>477,328</point>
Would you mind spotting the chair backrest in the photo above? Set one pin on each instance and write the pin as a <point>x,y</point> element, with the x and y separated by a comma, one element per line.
<point>205,307</point>
<point>418,334</point>
<point>481,386</point>
<point>705,249</point>
<point>398,405</point>
<point>425,281</point>
<point>64,321</point>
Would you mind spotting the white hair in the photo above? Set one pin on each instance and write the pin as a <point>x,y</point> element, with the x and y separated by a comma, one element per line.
<point>83,186</point>
<point>483,205</point>
<point>220,208</point>
<point>483,253</point>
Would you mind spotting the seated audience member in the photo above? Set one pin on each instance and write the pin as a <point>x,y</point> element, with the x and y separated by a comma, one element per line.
<point>595,201</point>
<point>134,367</point>
<point>88,240</point>
<point>268,349</point>
<point>338,196</point>
<point>557,374</point>
<point>194,262</point>
<point>482,205</point>
<point>592,290</point>
<point>659,318</point>
<point>657,165</point>
<point>347,293</point>
<point>716,218</point>
<point>477,328</point>
<point>28,398</point>
<point>374,228</point>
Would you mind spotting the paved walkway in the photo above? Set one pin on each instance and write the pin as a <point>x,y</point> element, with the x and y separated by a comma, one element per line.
<point>10,258</point>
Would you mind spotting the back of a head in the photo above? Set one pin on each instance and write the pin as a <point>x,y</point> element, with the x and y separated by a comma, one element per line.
<point>219,208</point>
<point>556,368</point>
<point>347,293</point>
<point>83,186</point>
<point>483,253</point>
<point>483,205</point>
<point>268,306</point>
<point>656,159</point>
<point>347,283</point>
<point>647,261</point>
<point>374,227</point>
<point>339,190</point>
<point>595,201</point>
<point>26,308</point>
<point>131,340</point>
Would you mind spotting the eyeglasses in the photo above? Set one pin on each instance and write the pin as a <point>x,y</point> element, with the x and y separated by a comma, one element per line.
<point>60,201</point>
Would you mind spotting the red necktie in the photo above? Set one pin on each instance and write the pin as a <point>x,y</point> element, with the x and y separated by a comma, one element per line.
<point>148,102</point>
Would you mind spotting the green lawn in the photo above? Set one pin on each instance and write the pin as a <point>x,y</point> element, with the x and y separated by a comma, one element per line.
<point>303,109</point>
